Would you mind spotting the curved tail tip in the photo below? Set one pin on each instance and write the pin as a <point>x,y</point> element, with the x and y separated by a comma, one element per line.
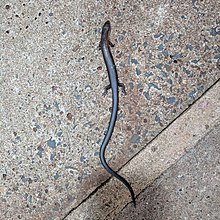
<point>134,202</point>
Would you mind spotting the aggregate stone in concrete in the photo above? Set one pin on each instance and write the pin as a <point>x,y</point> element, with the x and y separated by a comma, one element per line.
<point>52,113</point>
<point>188,190</point>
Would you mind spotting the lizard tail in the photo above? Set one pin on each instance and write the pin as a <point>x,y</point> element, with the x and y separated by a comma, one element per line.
<point>105,143</point>
<point>113,173</point>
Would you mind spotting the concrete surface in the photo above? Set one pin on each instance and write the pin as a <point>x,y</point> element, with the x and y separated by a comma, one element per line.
<point>164,151</point>
<point>52,115</point>
<point>188,190</point>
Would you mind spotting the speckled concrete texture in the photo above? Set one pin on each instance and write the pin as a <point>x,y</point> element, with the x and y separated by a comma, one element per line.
<point>157,157</point>
<point>52,114</point>
<point>188,190</point>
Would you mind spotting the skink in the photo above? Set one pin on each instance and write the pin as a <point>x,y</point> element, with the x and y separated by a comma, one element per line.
<point>114,85</point>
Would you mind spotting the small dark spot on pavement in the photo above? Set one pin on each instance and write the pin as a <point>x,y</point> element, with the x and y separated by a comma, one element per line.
<point>69,116</point>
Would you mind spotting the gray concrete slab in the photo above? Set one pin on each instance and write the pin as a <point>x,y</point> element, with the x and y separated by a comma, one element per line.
<point>52,114</point>
<point>154,159</point>
<point>188,190</point>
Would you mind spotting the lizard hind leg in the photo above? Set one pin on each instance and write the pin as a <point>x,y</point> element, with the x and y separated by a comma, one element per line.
<point>122,88</point>
<point>106,90</point>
